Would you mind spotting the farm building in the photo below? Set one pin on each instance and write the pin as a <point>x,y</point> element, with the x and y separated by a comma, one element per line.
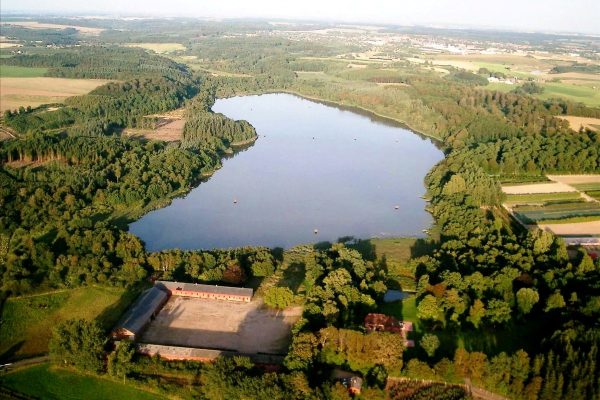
<point>140,314</point>
<point>206,291</point>
<point>385,323</point>
<point>350,380</point>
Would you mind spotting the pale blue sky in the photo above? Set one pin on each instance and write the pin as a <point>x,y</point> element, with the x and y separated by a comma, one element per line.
<point>524,15</point>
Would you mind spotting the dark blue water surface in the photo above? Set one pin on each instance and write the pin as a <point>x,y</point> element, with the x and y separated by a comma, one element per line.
<point>313,166</point>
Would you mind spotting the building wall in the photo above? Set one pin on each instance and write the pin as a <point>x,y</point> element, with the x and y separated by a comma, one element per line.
<point>205,295</point>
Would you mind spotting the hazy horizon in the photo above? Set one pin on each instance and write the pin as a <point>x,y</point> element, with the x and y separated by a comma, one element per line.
<point>532,16</point>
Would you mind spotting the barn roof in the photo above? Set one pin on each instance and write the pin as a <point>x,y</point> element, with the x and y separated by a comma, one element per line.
<point>140,313</point>
<point>197,287</point>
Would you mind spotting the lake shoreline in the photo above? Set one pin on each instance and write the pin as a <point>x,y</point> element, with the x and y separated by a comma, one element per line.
<point>242,202</point>
<point>396,121</point>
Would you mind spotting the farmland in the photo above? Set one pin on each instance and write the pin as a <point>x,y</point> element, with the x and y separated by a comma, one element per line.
<point>45,382</point>
<point>17,92</point>
<point>40,25</point>
<point>11,71</point>
<point>28,321</point>
<point>566,206</point>
<point>567,212</point>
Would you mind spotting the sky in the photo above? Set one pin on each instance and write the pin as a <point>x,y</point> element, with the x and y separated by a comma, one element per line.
<point>582,16</point>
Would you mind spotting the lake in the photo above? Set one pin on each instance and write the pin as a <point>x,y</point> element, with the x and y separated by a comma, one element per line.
<point>313,167</point>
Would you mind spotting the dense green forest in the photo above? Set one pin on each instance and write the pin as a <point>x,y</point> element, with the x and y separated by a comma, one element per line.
<point>70,182</point>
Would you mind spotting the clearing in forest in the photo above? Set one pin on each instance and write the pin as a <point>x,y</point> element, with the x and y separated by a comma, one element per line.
<point>168,127</point>
<point>160,48</point>
<point>577,123</point>
<point>17,92</point>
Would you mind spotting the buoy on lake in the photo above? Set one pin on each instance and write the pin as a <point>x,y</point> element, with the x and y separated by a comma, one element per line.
<point>316,231</point>
<point>234,201</point>
<point>396,207</point>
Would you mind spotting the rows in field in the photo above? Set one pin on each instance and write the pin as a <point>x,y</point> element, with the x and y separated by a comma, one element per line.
<point>416,390</point>
<point>559,212</point>
<point>587,187</point>
<point>542,198</point>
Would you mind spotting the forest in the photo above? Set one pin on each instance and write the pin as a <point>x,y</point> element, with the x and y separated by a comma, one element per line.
<point>71,182</point>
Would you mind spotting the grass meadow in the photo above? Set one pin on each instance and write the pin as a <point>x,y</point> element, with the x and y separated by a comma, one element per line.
<point>27,321</point>
<point>50,383</point>
<point>11,71</point>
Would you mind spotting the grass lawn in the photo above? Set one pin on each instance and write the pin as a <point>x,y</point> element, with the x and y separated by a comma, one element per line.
<point>45,382</point>
<point>405,310</point>
<point>27,321</point>
<point>397,252</point>
<point>10,71</point>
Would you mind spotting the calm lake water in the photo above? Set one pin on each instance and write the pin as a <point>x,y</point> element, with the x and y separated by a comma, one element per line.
<point>313,166</point>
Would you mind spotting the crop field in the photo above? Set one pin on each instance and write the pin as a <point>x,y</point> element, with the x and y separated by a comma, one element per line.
<point>160,48</point>
<point>17,92</point>
<point>559,213</point>
<point>46,382</point>
<point>249,328</point>
<point>585,94</point>
<point>11,71</point>
<point>39,25</point>
<point>587,187</point>
<point>553,187</point>
<point>542,198</point>
<point>27,322</point>
<point>579,229</point>
<point>567,206</point>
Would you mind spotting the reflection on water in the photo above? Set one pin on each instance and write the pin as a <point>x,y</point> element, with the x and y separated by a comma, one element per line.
<point>314,168</point>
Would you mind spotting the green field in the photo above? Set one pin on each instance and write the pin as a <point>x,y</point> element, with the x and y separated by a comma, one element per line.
<point>27,322</point>
<point>397,252</point>
<point>515,180</point>
<point>45,382</point>
<point>595,194</point>
<point>10,71</point>
<point>587,187</point>
<point>541,198</point>
<point>584,94</point>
